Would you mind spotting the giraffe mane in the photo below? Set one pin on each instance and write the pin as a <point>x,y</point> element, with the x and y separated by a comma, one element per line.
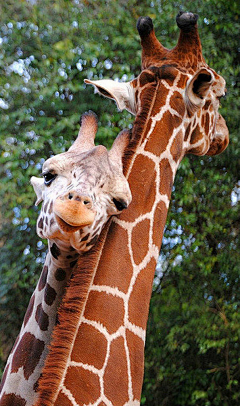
<point>68,317</point>
<point>137,133</point>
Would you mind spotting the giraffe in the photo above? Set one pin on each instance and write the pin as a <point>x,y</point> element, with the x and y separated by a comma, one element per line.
<point>96,355</point>
<point>80,190</point>
<point>175,99</point>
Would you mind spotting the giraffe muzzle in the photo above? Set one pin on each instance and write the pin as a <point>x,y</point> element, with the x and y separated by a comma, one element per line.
<point>73,211</point>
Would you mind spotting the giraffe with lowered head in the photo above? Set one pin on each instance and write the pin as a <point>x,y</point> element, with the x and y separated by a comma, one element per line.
<point>176,100</point>
<point>80,190</point>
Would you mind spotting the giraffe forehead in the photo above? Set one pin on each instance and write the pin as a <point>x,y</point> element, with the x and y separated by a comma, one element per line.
<point>94,161</point>
<point>168,73</point>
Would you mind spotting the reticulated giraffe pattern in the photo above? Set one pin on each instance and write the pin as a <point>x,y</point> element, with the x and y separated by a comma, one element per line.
<point>96,355</point>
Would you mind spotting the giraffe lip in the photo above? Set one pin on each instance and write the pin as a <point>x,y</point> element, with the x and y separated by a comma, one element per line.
<point>72,215</point>
<point>69,228</point>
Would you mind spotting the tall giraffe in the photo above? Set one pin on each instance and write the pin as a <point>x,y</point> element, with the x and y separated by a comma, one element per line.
<point>80,189</point>
<point>176,100</point>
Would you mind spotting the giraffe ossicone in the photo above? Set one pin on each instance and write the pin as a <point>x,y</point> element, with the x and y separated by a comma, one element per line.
<point>198,88</point>
<point>82,188</point>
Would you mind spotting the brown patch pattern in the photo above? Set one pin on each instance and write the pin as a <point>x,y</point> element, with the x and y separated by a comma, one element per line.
<point>88,388</point>
<point>42,318</point>
<point>60,274</point>
<point>62,400</point>
<point>166,177</point>
<point>160,136</point>
<point>105,309</point>
<point>49,295</point>
<point>177,147</point>
<point>140,244</point>
<point>159,223</point>
<point>28,345</point>
<point>136,352</point>
<point>177,103</point>
<point>13,400</point>
<point>87,345</point>
<point>140,296</point>
<point>116,375</point>
<point>40,223</point>
<point>55,251</point>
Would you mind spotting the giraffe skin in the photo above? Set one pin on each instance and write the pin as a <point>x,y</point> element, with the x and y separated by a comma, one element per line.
<point>176,100</point>
<point>81,189</point>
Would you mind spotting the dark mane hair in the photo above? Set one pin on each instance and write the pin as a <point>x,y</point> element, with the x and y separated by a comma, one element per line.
<point>140,124</point>
<point>69,314</point>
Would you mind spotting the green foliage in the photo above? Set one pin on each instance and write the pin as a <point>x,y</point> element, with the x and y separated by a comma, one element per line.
<point>46,50</point>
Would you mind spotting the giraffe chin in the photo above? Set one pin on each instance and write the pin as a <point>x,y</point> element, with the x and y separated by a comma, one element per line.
<point>70,228</point>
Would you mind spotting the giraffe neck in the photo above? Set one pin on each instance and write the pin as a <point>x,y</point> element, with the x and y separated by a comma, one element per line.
<point>105,361</point>
<point>25,363</point>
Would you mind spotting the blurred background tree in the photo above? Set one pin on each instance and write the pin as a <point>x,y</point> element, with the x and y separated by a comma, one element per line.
<point>47,48</point>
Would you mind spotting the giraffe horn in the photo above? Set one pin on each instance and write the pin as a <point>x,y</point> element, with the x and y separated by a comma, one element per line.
<point>87,132</point>
<point>189,40</point>
<point>119,145</point>
<point>152,49</point>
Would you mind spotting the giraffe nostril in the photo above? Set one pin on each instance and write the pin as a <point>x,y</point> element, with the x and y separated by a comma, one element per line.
<point>75,196</point>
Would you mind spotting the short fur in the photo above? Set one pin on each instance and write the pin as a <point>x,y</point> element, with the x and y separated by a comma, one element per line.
<point>69,313</point>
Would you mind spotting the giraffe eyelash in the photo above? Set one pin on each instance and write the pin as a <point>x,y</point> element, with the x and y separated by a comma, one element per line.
<point>48,178</point>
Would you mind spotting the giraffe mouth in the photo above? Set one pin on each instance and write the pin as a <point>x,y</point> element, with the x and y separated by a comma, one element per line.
<point>72,214</point>
<point>69,228</point>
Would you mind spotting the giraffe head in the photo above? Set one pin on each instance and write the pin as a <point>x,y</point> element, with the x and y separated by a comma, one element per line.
<point>82,188</point>
<point>189,89</point>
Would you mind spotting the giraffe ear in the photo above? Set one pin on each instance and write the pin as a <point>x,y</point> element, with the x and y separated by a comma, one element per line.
<point>197,89</point>
<point>118,148</point>
<point>38,185</point>
<point>121,92</point>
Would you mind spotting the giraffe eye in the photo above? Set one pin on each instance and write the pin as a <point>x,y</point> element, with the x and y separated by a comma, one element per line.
<point>120,204</point>
<point>48,178</point>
